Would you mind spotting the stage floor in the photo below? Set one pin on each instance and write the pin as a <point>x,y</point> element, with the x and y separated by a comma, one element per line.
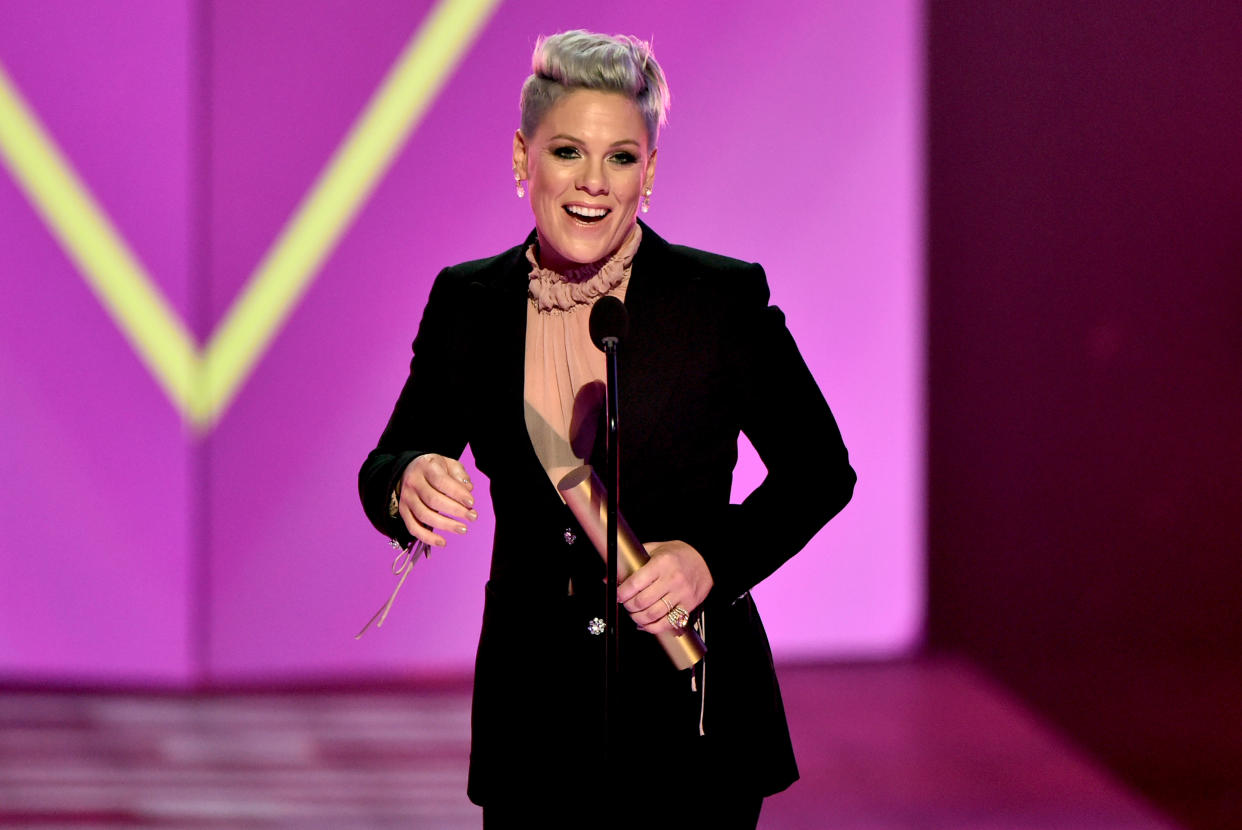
<point>912,745</point>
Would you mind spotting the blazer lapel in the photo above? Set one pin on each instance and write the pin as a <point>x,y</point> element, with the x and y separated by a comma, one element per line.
<point>501,294</point>
<point>654,355</point>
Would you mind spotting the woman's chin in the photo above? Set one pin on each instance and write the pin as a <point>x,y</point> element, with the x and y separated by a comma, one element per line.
<point>572,254</point>
<point>578,246</point>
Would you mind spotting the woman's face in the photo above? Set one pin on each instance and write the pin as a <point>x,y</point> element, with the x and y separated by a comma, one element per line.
<point>587,166</point>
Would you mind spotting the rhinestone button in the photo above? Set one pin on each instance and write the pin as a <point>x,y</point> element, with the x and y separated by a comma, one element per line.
<point>570,538</point>
<point>596,626</point>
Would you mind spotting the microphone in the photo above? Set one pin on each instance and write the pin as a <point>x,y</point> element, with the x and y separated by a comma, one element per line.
<point>609,321</point>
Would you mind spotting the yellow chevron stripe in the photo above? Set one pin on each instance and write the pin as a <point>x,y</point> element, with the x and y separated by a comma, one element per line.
<point>115,275</point>
<point>338,194</point>
<point>203,385</point>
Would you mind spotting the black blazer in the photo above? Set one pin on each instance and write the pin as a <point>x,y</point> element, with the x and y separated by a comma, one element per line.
<point>705,358</point>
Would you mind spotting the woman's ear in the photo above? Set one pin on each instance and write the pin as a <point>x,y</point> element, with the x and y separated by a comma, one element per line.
<point>651,167</point>
<point>519,154</point>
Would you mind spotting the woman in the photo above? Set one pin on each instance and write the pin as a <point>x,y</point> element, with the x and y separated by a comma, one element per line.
<point>503,361</point>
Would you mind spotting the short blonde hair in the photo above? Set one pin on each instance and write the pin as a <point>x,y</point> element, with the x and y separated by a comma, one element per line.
<point>585,60</point>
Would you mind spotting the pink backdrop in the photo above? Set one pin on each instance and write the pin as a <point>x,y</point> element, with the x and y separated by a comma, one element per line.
<point>135,549</point>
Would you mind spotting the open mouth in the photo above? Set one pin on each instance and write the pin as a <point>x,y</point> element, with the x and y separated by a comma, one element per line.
<point>587,215</point>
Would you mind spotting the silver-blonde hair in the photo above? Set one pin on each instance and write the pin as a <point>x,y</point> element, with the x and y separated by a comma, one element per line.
<point>585,60</point>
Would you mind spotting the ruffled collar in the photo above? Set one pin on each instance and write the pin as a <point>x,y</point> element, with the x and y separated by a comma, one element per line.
<point>552,291</point>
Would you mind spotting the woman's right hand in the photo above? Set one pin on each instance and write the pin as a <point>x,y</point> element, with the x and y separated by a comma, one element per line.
<point>434,495</point>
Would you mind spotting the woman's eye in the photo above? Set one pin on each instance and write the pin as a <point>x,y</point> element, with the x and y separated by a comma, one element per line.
<point>624,158</point>
<point>565,152</point>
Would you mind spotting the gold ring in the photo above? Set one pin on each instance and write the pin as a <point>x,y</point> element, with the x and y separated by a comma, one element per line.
<point>678,617</point>
<point>667,604</point>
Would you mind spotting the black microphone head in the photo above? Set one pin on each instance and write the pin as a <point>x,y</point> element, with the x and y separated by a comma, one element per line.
<point>608,319</point>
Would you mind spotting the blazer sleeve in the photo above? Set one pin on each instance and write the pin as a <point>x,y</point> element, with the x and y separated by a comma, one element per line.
<point>784,414</point>
<point>428,416</point>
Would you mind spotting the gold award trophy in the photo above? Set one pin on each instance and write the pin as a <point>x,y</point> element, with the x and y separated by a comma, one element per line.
<point>588,500</point>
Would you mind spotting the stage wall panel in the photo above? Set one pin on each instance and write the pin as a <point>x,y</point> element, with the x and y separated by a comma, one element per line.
<point>794,141</point>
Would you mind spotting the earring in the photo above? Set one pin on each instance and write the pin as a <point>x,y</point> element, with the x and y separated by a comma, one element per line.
<point>517,181</point>
<point>647,200</point>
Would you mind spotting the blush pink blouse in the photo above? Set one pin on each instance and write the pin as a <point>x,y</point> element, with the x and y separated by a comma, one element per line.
<point>564,392</point>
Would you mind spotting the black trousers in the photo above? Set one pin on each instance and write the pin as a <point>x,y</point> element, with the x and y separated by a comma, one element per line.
<point>713,811</point>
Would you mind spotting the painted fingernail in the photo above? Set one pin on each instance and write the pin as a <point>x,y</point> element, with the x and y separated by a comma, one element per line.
<point>473,514</point>
<point>440,543</point>
<point>460,528</point>
<point>469,502</point>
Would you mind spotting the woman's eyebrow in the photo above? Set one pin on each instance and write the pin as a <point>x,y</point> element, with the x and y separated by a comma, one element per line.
<point>576,140</point>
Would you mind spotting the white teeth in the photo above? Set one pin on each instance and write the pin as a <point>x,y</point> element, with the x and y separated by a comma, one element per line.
<point>587,212</point>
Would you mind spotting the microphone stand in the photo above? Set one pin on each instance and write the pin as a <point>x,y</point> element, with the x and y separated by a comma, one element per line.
<point>612,475</point>
<point>609,323</point>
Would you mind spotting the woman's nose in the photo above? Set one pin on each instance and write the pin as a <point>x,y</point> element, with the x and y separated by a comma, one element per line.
<point>593,179</point>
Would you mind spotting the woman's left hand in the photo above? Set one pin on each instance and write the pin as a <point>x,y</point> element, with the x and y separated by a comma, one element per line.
<point>676,575</point>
